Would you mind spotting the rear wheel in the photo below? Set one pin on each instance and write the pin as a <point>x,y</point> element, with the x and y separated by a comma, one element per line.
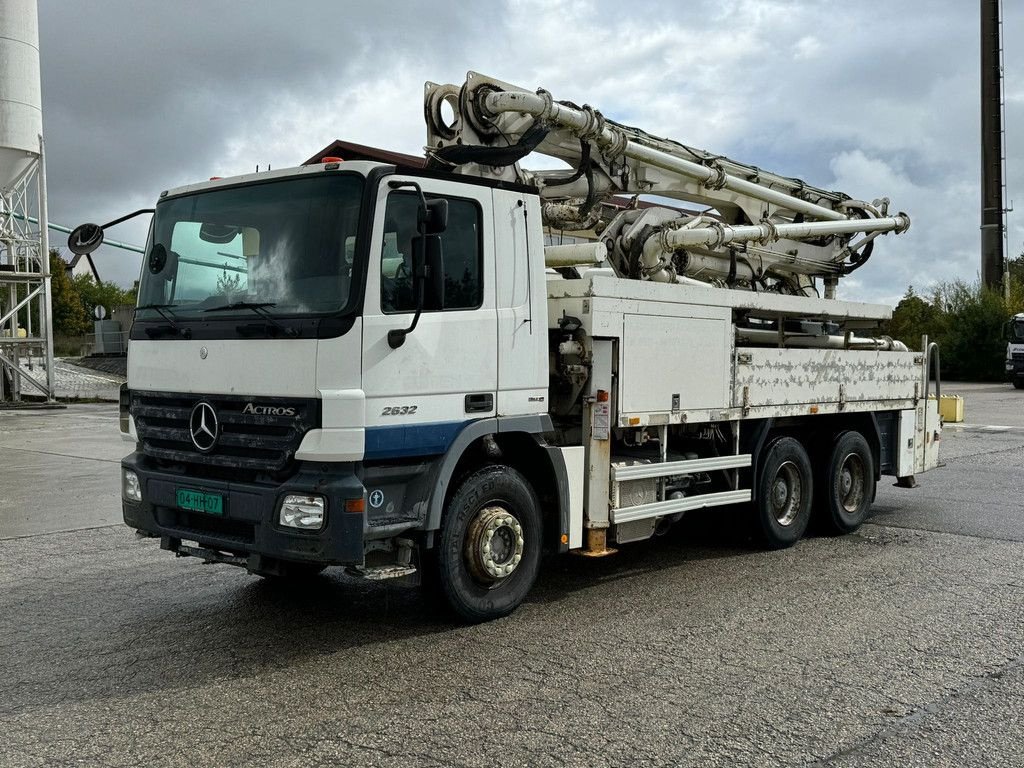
<point>848,485</point>
<point>488,552</point>
<point>782,508</point>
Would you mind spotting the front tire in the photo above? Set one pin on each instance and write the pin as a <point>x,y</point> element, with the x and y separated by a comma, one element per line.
<point>1018,383</point>
<point>782,509</point>
<point>848,484</point>
<point>488,553</point>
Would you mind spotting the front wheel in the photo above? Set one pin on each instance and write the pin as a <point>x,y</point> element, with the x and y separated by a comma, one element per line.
<point>488,552</point>
<point>784,491</point>
<point>1018,383</point>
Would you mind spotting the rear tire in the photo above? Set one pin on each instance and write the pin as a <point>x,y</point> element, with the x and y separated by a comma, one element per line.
<point>847,486</point>
<point>488,552</point>
<point>785,489</point>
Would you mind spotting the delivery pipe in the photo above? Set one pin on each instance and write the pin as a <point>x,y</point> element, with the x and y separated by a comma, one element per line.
<point>768,337</point>
<point>587,125</point>
<point>574,255</point>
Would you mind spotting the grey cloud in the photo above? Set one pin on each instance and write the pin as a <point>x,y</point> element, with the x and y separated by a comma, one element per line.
<point>141,96</point>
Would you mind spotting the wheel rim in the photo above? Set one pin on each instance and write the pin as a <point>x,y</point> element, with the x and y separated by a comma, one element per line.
<point>494,544</point>
<point>852,482</point>
<point>786,493</point>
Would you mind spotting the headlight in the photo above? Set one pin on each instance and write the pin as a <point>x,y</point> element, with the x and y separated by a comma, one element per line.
<point>131,489</point>
<point>304,512</point>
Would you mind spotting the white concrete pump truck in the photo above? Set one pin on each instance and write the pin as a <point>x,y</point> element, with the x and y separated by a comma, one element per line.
<point>384,368</point>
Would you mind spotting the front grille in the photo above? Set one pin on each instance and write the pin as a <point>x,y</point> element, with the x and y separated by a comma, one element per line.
<point>1018,357</point>
<point>245,441</point>
<point>194,526</point>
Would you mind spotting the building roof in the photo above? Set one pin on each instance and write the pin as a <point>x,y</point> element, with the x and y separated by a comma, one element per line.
<point>347,150</point>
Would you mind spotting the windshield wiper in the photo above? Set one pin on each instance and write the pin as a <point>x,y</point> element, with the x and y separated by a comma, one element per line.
<point>259,307</point>
<point>185,333</point>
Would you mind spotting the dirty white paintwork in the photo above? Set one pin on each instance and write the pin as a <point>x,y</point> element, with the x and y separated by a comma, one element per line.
<point>231,366</point>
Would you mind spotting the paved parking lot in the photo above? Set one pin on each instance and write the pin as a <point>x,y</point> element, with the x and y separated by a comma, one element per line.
<point>901,645</point>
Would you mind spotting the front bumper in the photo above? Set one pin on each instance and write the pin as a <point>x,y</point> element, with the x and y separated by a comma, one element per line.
<point>248,526</point>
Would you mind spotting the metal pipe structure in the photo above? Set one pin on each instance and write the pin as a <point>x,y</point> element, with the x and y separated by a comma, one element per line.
<point>766,337</point>
<point>718,235</point>
<point>46,299</point>
<point>543,107</point>
<point>25,283</point>
<point>759,230</point>
<point>573,255</point>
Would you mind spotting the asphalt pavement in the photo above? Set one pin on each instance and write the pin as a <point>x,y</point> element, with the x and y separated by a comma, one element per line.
<point>900,645</point>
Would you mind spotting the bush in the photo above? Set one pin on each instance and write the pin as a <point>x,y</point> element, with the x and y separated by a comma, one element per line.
<point>967,320</point>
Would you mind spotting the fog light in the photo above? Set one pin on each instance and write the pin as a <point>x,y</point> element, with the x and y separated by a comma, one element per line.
<point>305,512</point>
<point>131,489</point>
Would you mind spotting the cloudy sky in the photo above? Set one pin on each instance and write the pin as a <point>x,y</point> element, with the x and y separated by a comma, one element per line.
<point>870,98</point>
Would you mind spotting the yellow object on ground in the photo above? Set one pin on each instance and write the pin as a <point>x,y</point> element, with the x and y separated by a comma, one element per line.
<point>951,408</point>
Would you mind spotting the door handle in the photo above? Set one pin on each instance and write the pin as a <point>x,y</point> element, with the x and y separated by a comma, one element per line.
<point>480,403</point>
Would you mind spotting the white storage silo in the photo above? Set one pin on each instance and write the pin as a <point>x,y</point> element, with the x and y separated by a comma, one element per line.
<point>21,113</point>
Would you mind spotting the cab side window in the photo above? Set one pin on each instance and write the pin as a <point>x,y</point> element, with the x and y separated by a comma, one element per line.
<point>461,257</point>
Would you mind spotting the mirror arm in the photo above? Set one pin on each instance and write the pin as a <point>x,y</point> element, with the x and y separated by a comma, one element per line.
<point>129,216</point>
<point>396,336</point>
<point>419,191</point>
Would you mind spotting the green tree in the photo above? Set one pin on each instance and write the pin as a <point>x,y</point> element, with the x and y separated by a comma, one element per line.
<point>913,317</point>
<point>103,294</point>
<point>973,342</point>
<point>1016,269</point>
<point>69,315</point>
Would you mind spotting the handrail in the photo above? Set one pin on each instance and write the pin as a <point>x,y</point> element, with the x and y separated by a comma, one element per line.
<point>927,366</point>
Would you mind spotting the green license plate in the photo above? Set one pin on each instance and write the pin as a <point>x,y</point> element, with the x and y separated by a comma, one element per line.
<point>197,501</point>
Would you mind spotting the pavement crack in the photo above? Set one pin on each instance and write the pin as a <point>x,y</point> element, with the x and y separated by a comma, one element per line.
<point>62,455</point>
<point>980,682</point>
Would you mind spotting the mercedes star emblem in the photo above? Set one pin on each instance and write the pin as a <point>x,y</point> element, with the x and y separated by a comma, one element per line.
<point>203,427</point>
<point>203,352</point>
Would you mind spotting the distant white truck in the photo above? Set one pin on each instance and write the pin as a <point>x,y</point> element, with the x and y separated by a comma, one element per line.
<point>1015,351</point>
<point>356,364</point>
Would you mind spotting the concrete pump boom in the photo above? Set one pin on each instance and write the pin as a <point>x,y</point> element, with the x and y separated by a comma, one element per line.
<point>761,230</point>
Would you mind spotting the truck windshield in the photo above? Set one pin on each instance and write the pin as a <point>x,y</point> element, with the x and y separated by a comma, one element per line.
<point>1017,333</point>
<point>288,245</point>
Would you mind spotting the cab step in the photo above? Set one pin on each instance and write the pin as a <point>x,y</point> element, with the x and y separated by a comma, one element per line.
<point>380,572</point>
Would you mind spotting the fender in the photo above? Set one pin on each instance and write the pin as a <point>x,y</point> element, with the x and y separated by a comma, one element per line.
<point>535,426</point>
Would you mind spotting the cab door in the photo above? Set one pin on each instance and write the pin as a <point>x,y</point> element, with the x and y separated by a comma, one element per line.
<point>420,395</point>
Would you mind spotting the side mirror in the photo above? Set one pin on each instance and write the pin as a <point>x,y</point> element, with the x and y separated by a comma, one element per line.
<point>85,238</point>
<point>434,216</point>
<point>427,267</point>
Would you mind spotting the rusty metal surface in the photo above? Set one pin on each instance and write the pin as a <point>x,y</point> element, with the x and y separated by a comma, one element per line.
<point>818,376</point>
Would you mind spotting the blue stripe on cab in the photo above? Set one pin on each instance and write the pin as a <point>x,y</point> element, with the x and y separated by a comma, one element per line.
<point>411,439</point>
